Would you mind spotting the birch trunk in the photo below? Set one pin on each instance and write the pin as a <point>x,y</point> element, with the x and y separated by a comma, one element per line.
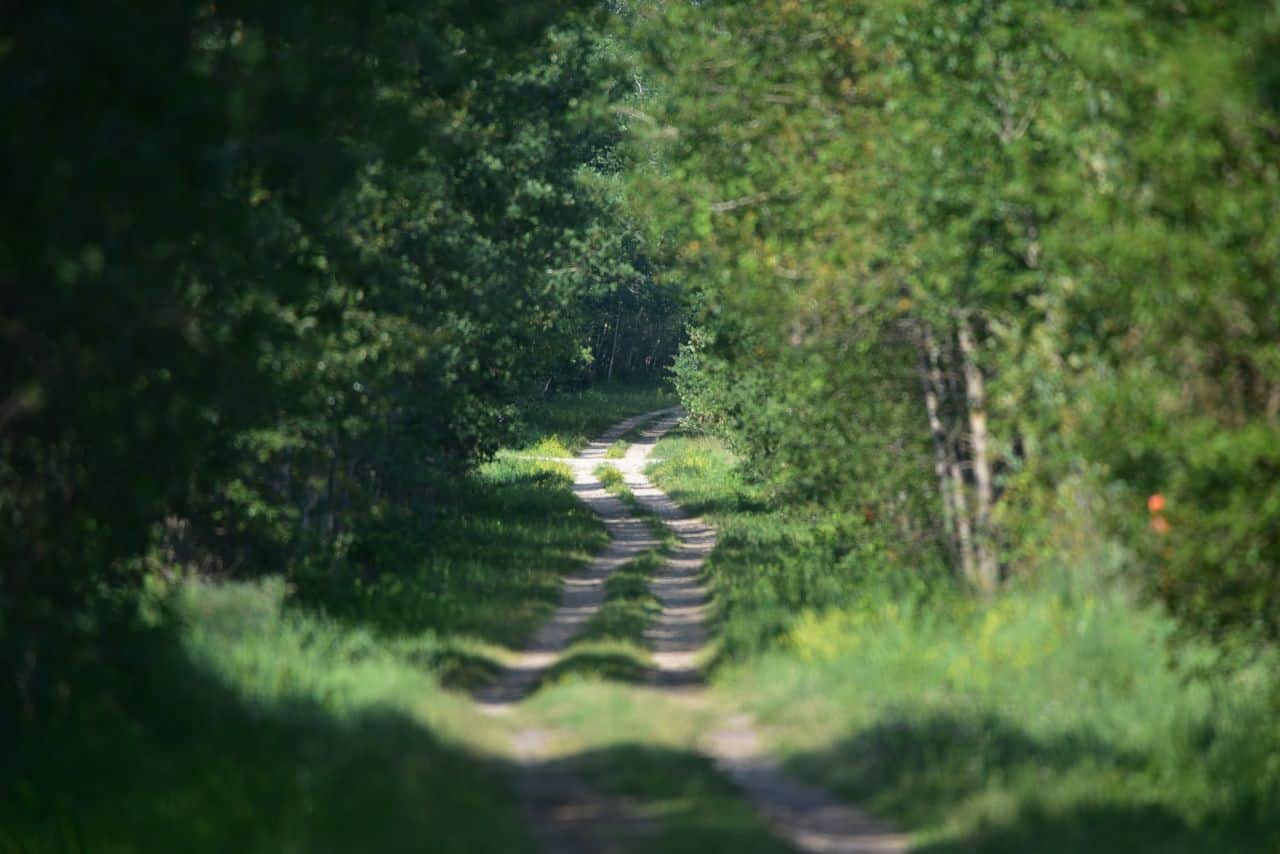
<point>988,570</point>
<point>933,408</point>
<point>617,327</point>
<point>955,506</point>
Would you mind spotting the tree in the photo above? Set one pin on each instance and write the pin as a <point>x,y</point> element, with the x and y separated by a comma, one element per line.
<point>951,256</point>
<point>273,274</point>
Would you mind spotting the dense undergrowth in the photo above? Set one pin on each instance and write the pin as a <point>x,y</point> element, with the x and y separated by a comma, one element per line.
<point>1053,719</point>
<point>310,713</point>
<point>485,568</point>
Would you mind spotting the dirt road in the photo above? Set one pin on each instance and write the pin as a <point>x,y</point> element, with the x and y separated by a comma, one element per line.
<point>565,814</point>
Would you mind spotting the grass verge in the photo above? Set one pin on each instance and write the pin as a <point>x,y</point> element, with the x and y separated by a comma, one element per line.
<point>479,576</point>
<point>1051,720</point>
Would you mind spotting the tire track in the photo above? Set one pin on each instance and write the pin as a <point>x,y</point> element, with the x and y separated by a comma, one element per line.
<point>807,817</point>
<point>565,814</point>
<point>582,592</point>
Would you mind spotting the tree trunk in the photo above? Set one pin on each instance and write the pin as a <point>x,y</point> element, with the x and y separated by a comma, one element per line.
<point>617,327</point>
<point>933,409</point>
<point>988,576</point>
<point>597,350</point>
<point>653,354</point>
<point>955,505</point>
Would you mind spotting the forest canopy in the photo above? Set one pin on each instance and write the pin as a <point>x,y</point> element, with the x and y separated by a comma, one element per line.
<point>996,278</point>
<point>272,274</point>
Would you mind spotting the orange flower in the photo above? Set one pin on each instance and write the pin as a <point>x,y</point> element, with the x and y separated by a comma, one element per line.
<point>1160,525</point>
<point>1155,503</point>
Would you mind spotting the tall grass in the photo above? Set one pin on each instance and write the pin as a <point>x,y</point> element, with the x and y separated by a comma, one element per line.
<point>482,573</point>
<point>1058,718</point>
<point>239,723</point>
<point>309,712</point>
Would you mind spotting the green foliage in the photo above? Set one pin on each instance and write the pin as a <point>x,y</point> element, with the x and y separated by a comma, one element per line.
<point>775,558</point>
<point>946,258</point>
<point>1179,298</point>
<point>262,313</point>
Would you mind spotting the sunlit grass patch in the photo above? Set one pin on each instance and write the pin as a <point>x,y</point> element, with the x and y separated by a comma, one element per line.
<point>549,446</point>
<point>617,450</point>
<point>611,479</point>
<point>701,474</point>
<point>566,423</point>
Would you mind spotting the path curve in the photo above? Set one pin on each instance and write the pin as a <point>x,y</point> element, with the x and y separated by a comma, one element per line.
<point>807,817</point>
<point>582,592</point>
